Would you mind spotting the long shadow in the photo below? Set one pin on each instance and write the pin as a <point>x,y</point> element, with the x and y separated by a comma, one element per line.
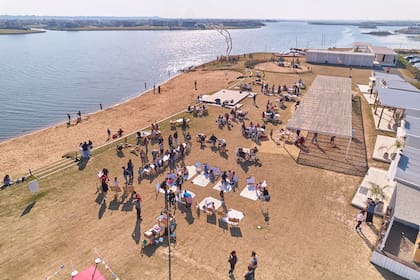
<point>99,198</point>
<point>366,240</point>
<point>387,275</point>
<point>28,208</point>
<point>128,205</point>
<point>120,154</point>
<point>82,163</point>
<point>136,232</point>
<point>223,225</point>
<point>244,166</point>
<point>211,219</point>
<point>235,232</point>
<point>224,155</point>
<point>188,216</point>
<point>373,228</point>
<point>114,204</point>
<point>102,210</point>
<point>150,250</point>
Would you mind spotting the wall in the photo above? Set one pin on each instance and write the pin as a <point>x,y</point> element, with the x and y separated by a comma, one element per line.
<point>394,266</point>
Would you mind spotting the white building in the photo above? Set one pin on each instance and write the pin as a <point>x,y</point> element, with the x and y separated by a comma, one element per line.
<point>347,58</point>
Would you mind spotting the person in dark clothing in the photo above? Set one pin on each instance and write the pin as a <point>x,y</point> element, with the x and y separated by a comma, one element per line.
<point>233,259</point>
<point>371,205</point>
<point>137,203</point>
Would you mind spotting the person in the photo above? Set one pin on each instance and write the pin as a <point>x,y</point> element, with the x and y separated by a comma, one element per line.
<point>253,263</point>
<point>120,132</point>
<point>359,218</point>
<point>234,181</point>
<point>254,97</point>
<point>7,181</point>
<point>158,89</point>
<point>315,138</point>
<point>249,274</point>
<point>222,196</point>
<point>332,140</point>
<point>371,205</point>
<point>233,259</point>
<point>188,199</point>
<point>265,195</point>
<point>108,132</point>
<point>213,139</point>
<point>126,175</point>
<point>175,137</point>
<point>100,106</point>
<point>130,169</point>
<point>171,199</point>
<point>154,89</point>
<point>137,203</point>
<point>195,84</point>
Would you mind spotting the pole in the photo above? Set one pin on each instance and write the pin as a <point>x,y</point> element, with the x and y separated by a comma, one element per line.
<point>169,246</point>
<point>380,117</point>
<point>348,148</point>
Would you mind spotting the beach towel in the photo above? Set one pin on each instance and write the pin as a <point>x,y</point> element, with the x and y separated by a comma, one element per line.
<point>207,202</point>
<point>191,172</point>
<point>201,180</point>
<point>226,187</point>
<point>249,192</point>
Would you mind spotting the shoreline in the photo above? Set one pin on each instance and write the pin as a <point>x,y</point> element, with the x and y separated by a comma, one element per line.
<point>44,146</point>
<point>24,134</point>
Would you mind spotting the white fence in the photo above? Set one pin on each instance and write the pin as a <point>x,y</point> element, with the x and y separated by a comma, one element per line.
<point>395,266</point>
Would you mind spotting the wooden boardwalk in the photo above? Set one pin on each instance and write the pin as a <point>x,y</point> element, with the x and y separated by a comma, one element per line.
<point>325,156</point>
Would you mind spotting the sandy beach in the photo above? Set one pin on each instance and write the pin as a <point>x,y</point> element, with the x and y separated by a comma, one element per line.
<point>41,148</point>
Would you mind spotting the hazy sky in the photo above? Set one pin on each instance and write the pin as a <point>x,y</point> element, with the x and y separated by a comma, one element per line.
<point>275,9</point>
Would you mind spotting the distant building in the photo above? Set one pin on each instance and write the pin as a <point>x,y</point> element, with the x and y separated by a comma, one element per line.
<point>346,58</point>
<point>362,55</point>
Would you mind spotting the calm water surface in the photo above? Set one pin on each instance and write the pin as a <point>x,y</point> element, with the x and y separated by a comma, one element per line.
<point>45,76</point>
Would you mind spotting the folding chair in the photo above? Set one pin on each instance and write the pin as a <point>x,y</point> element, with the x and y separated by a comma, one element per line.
<point>198,167</point>
<point>250,181</point>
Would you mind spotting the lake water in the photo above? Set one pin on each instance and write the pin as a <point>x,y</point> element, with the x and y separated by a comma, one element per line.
<point>45,76</point>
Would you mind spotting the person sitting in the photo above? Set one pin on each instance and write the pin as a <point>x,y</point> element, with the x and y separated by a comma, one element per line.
<point>119,147</point>
<point>188,137</point>
<point>241,153</point>
<point>120,132</point>
<point>265,196</point>
<point>206,168</point>
<point>222,145</point>
<point>212,176</point>
<point>7,181</point>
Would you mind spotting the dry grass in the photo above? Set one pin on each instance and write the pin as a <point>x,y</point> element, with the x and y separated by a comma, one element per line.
<point>309,233</point>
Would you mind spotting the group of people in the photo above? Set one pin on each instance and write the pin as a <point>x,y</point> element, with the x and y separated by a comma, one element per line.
<point>78,118</point>
<point>223,120</point>
<point>369,210</point>
<point>221,143</point>
<point>252,265</point>
<point>253,131</point>
<point>198,110</point>
<point>237,114</point>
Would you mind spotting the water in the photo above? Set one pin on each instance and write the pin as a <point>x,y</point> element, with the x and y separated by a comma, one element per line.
<point>45,76</point>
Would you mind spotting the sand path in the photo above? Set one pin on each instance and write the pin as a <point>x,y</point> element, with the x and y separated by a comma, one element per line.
<point>40,148</point>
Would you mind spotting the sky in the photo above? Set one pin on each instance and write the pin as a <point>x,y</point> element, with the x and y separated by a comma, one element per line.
<point>261,9</point>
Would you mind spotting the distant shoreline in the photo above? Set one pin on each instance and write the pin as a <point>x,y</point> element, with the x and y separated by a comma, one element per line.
<point>19,31</point>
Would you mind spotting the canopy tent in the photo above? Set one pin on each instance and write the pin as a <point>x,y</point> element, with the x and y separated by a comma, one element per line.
<point>408,171</point>
<point>407,201</point>
<point>326,108</point>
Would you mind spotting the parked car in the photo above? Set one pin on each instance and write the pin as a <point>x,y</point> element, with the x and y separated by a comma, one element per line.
<point>414,59</point>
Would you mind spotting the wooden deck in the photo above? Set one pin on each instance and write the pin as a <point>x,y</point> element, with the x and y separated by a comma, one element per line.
<point>325,156</point>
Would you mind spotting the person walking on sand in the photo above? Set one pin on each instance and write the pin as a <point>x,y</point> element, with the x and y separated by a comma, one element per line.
<point>108,131</point>
<point>126,174</point>
<point>137,203</point>
<point>359,218</point>
<point>254,97</point>
<point>154,89</point>
<point>158,89</point>
<point>233,259</point>
<point>69,117</point>
<point>253,264</point>
<point>195,84</point>
<point>332,139</point>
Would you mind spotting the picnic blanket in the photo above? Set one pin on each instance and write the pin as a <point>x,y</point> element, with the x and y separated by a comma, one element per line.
<point>233,214</point>
<point>201,180</point>
<point>191,171</point>
<point>226,187</point>
<point>208,202</point>
<point>250,192</point>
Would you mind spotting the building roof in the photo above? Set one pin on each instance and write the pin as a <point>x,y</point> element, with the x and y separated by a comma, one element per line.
<point>412,142</point>
<point>408,170</point>
<point>340,52</point>
<point>387,76</point>
<point>407,204</point>
<point>397,98</point>
<point>395,84</point>
<point>412,125</point>
<point>381,50</point>
<point>326,108</point>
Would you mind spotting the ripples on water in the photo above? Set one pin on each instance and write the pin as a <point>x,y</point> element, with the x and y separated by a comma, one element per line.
<point>45,76</point>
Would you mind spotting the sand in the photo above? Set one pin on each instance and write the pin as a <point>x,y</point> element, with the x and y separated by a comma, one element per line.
<point>49,145</point>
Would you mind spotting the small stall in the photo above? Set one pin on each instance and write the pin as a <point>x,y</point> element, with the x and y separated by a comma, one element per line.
<point>155,234</point>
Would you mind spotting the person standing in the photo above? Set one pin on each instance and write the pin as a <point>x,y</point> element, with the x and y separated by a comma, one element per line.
<point>126,173</point>
<point>158,89</point>
<point>137,203</point>
<point>371,205</point>
<point>154,89</point>
<point>69,117</point>
<point>253,264</point>
<point>100,106</point>
<point>233,259</point>
<point>130,169</point>
<point>146,145</point>
<point>359,218</point>
<point>332,139</point>
<point>176,138</point>
<point>254,97</point>
<point>108,132</point>
<point>195,84</point>
<point>315,138</point>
